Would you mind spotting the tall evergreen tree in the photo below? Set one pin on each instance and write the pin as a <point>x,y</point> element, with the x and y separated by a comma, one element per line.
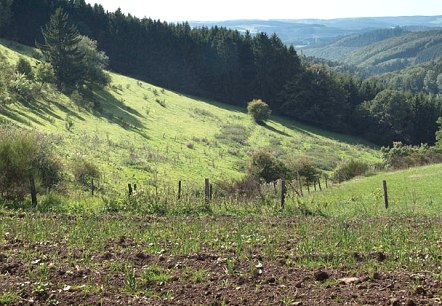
<point>61,49</point>
<point>5,14</point>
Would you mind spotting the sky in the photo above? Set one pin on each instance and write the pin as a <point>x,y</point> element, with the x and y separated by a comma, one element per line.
<point>209,10</point>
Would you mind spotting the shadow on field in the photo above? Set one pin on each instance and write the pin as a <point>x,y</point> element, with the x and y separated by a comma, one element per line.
<point>18,116</point>
<point>274,130</point>
<point>66,110</point>
<point>117,112</point>
<point>42,111</point>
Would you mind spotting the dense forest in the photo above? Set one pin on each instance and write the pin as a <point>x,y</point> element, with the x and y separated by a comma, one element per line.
<point>227,66</point>
<point>384,50</point>
<point>426,77</point>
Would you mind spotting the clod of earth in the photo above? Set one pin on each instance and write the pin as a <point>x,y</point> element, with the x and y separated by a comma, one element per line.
<point>321,276</point>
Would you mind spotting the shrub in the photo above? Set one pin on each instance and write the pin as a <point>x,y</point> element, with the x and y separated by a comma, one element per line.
<point>84,171</point>
<point>45,74</point>
<point>247,187</point>
<point>305,168</point>
<point>404,156</point>
<point>265,166</point>
<point>7,72</point>
<point>69,123</point>
<point>349,170</point>
<point>259,110</point>
<point>24,67</point>
<point>25,156</point>
<point>161,102</point>
<point>22,86</point>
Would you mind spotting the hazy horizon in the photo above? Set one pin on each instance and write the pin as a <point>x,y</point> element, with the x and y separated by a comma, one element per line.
<point>199,10</point>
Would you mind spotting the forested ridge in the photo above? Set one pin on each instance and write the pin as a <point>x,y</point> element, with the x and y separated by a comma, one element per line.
<point>384,50</point>
<point>230,67</point>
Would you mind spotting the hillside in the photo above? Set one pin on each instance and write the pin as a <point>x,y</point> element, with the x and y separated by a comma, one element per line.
<point>401,50</point>
<point>226,66</point>
<point>425,77</point>
<point>411,192</point>
<point>338,49</point>
<point>144,134</point>
<point>313,32</point>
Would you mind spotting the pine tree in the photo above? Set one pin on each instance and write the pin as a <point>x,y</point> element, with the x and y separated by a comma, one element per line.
<point>5,14</point>
<point>61,49</point>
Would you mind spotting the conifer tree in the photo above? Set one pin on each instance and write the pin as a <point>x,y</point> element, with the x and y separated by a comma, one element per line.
<point>5,14</point>
<point>60,48</point>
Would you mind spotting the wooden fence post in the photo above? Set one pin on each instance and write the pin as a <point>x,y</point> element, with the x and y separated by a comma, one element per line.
<point>299,183</point>
<point>179,190</point>
<point>33,191</point>
<point>92,187</point>
<point>211,191</point>
<point>206,190</point>
<point>283,192</point>
<point>319,184</point>
<point>326,181</point>
<point>130,189</point>
<point>384,183</point>
<point>135,187</point>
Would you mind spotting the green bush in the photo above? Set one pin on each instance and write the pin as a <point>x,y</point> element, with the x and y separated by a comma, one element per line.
<point>25,155</point>
<point>259,110</point>
<point>24,67</point>
<point>84,171</point>
<point>265,166</point>
<point>248,187</point>
<point>349,170</point>
<point>45,74</point>
<point>403,156</point>
<point>305,168</point>
<point>23,87</point>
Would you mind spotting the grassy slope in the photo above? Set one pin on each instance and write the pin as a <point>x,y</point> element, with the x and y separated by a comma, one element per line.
<point>136,139</point>
<point>411,192</point>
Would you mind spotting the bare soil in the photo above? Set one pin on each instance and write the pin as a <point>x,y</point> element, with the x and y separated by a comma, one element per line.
<point>206,278</point>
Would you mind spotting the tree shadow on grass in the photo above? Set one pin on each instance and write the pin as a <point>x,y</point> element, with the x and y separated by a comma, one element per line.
<point>115,111</point>
<point>18,116</point>
<point>66,110</point>
<point>272,129</point>
<point>43,111</point>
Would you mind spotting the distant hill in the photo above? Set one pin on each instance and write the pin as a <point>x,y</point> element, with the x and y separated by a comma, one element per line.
<point>311,32</point>
<point>382,51</point>
<point>339,49</point>
<point>426,77</point>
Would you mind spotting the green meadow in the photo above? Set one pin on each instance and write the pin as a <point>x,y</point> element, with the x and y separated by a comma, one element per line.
<point>139,133</point>
<point>411,192</point>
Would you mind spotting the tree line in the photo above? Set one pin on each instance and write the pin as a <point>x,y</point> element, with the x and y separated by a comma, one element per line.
<point>233,67</point>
